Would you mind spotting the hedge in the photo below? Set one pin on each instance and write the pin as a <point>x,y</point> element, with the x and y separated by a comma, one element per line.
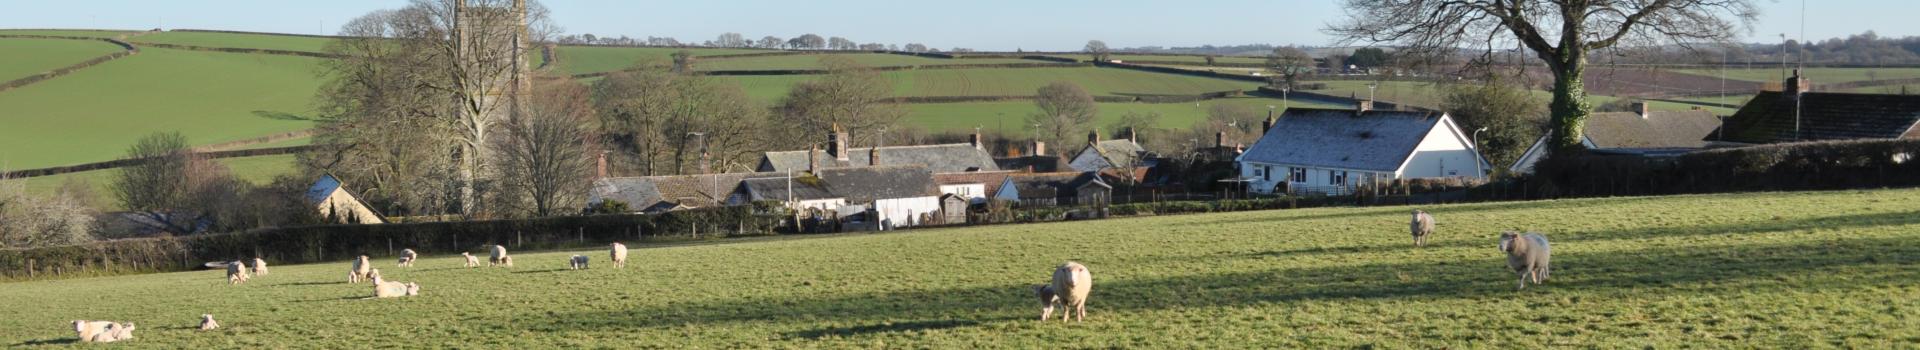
<point>1825,165</point>
<point>340,242</point>
<point>127,162</point>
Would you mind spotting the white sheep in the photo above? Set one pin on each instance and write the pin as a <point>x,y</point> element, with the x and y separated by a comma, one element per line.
<point>236,272</point>
<point>1072,282</point>
<point>577,262</point>
<point>1047,299</point>
<point>103,331</point>
<point>259,267</point>
<point>472,261</point>
<point>407,256</point>
<point>384,289</point>
<point>619,255</point>
<point>361,266</point>
<point>207,323</point>
<point>373,275</point>
<point>1422,226</point>
<point>500,257</point>
<point>87,329</point>
<point>1528,255</point>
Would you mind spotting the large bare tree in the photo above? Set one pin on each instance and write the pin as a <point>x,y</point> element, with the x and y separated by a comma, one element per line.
<point>1066,111</point>
<point>854,96</point>
<point>647,112</point>
<point>1560,32</point>
<point>1287,63</point>
<point>547,154</point>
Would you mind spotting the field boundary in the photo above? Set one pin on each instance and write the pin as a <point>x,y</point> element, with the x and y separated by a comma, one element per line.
<point>127,49</point>
<point>19,174</point>
<point>271,138</point>
<point>241,50</point>
<point>764,72</point>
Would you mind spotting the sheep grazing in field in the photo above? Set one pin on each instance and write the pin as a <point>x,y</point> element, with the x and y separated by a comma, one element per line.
<point>1072,283</point>
<point>1529,255</point>
<point>472,261</point>
<point>102,331</point>
<point>236,272</point>
<point>1047,299</point>
<point>361,267</point>
<point>1422,226</point>
<point>500,257</point>
<point>407,256</point>
<point>207,323</point>
<point>259,267</point>
<point>619,255</point>
<point>577,262</point>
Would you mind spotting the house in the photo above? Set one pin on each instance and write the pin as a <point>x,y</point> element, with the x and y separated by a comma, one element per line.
<point>1770,117</point>
<point>946,158</point>
<point>1055,189</point>
<point>974,186</point>
<point>899,195</point>
<point>1101,155</point>
<point>330,197</point>
<point>1643,132</point>
<point>1333,151</point>
<point>654,194</point>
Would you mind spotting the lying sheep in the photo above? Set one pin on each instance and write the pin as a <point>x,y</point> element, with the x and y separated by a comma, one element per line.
<point>1047,299</point>
<point>207,323</point>
<point>407,256</point>
<point>87,329</point>
<point>500,257</point>
<point>236,272</point>
<point>361,266</point>
<point>102,331</point>
<point>1072,283</point>
<point>259,267</point>
<point>384,289</point>
<point>1529,255</point>
<point>1422,226</point>
<point>577,262</point>
<point>619,255</point>
<point>472,261</point>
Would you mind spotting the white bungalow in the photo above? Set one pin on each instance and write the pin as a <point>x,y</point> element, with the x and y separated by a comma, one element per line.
<point>1333,151</point>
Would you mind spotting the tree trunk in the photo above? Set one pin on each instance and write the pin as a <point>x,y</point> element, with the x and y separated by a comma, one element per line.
<point>467,154</point>
<point>1569,109</point>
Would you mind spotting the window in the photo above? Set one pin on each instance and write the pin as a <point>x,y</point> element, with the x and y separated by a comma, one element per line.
<point>1336,177</point>
<point>1299,174</point>
<point>1265,172</point>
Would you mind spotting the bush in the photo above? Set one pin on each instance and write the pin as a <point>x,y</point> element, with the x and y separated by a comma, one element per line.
<point>1782,167</point>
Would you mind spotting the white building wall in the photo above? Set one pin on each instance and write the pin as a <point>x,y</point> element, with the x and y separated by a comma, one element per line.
<point>829,205</point>
<point>904,212</point>
<point>974,193</point>
<point>1442,153</point>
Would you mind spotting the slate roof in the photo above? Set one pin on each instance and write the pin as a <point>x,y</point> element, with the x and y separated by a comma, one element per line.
<point>1769,117</point>
<point>947,158</point>
<point>1038,164</point>
<point>1662,129</point>
<point>1118,151</point>
<point>667,191</point>
<point>1375,140</point>
<point>775,189</point>
<point>1051,185</point>
<point>857,185</point>
<point>322,188</point>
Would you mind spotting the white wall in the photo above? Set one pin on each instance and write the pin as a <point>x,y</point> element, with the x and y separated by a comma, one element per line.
<point>904,212</point>
<point>828,205</point>
<point>974,193</point>
<point>1442,153</point>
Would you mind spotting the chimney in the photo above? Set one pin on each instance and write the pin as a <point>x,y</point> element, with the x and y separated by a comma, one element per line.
<point>1362,106</point>
<point>700,143</point>
<point>1641,108</point>
<point>1133,136</point>
<point>837,143</point>
<point>1093,136</point>
<point>1039,148</point>
<point>1220,139</point>
<point>602,163</point>
<point>1267,125</point>
<point>975,140</point>
<point>813,158</point>
<point>873,156</point>
<point>1798,84</point>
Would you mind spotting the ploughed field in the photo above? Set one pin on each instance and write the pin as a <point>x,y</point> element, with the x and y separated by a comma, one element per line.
<point>1769,270</point>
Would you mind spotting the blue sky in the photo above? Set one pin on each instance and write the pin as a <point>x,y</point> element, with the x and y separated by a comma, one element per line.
<point>977,24</point>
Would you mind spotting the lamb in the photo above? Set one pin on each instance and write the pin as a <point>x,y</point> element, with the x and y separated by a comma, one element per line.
<point>384,289</point>
<point>1072,283</point>
<point>619,255</point>
<point>102,331</point>
<point>207,323</point>
<point>1529,255</point>
<point>1047,298</point>
<point>1422,226</point>
<point>500,257</point>
<point>472,261</point>
<point>407,256</point>
<point>259,267</point>
<point>577,262</point>
<point>87,329</point>
<point>361,267</point>
<point>236,272</point>
<point>373,275</point>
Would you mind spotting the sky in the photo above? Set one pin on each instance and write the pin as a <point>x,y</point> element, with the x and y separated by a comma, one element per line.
<point>1050,25</point>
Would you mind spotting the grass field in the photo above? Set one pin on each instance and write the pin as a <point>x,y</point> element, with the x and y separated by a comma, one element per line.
<point>257,170</point>
<point>1818,75</point>
<point>813,61</point>
<point>1011,117</point>
<point>1011,82</point>
<point>1429,95</point>
<point>1193,59</point>
<point>236,40</point>
<point>34,56</point>
<point>1766,270</point>
<point>95,113</point>
<point>594,59</point>
<point>66,32</point>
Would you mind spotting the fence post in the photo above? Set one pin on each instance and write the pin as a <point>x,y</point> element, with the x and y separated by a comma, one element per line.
<point>582,231</point>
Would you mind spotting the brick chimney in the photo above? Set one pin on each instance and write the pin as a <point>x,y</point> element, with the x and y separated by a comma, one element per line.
<point>1267,125</point>
<point>1641,108</point>
<point>1039,148</point>
<point>813,158</point>
<point>1362,106</point>
<point>975,140</point>
<point>1797,85</point>
<point>837,143</point>
<point>1093,136</point>
<point>873,156</point>
<point>602,165</point>
<point>1220,139</point>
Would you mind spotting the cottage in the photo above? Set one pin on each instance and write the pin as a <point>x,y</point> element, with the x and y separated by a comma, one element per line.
<point>1642,132</point>
<point>974,187</point>
<point>1122,155</point>
<point>1770,117</point>
<point>1333,151</point>
<point>653,194</point>
<point>899,196</point>
<point>330,197</point>
<point>1055,189</point>
<point>946,158</point>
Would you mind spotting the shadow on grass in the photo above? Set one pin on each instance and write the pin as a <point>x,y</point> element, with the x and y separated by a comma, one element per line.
<point>309,283</point>
<point>355,297</point>
<point>281,116</point>
<point>883,327</point>
<point>47,342</point>
<point>540,271</point>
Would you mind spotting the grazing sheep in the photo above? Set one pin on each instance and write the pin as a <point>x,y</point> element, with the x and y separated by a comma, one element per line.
<point>87,329</point>
<point>1047,298</point>
<point>1422,226</point>
<point>500,257</point>
<point>1072,282</point>
<point>472,261</point>
<point>619,255</point>
<point>407,256</point>
<point>361,266</point>
<point>259,267</point>
<point>236,272</point>
<point>577,262</point>
<point>207,323</point>
<point>1529,255</point>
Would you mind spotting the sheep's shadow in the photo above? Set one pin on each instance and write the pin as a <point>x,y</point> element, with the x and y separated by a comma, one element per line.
<point>47,342</point>
<point>356,297</point>
<point>298,284</point>
<point>541,271</point>
<point>883,327</point>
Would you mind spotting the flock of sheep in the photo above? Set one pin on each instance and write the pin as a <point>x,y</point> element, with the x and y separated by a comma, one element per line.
<point>1528,255</point>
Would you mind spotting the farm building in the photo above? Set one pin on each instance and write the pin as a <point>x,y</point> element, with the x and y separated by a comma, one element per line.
<point>946,158</point>
<point>953,209</point>
<point>653,194</point>
<point>1643,132</point>
<point>1055,189</point>
<point>1115,154</point>
<point>1333,151</point>
<point>330,197</point>
<point>899,196</point>
<point>974,186</point>
<point>1770,116</point>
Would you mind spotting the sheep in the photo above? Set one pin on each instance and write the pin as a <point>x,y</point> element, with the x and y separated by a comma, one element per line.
<point>373,275</point>
<point>259,267</point>
<point>472,261</point>
<point>1072,282</point>
<point>407,256</point>
<point>577,262</point>
<point>103,331</point>
<point>500,257</point>
<point>361,266</point>
<point>236,272</point>
<point>384,289</point>
<point>1047,298</point>
<point>87,329</point>
<point>1422,226</point>
<point>207,323</point>
<point>619,255</point>
<point>1528,255</point>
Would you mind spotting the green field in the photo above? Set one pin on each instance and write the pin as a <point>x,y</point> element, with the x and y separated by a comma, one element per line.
<point>67,32</point>
<point>94,114</point>
<point>1429,95</point>
<point>1818,75</point>
<point>1012,82</point>
<point>257,170</point>
<point>236,40</point>
<point>1765,270</point>
<point>1193,59</point>
<point>868,59</point>
<point>1010,117</point>
<point>34,56</point>
<point>595,59</point>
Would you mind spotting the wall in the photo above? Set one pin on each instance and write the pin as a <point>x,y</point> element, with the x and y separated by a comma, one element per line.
<point>905,212</point>
<point>353,211</point>
<point>974,193</point>
<point>1443,152</point>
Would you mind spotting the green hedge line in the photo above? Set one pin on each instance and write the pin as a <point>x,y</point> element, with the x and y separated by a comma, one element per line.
<point>1782,167</point>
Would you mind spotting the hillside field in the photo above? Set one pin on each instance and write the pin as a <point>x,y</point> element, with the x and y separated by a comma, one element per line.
<point>1010,82</point>
<point>1010,117</point>
<point>595,59</point>
<point>813,61</point>
<point>258,170</point>
<point>1765,270</point>
<point>1818,75</point>
<point>237,40</point>
<point>68,32</point>
<point>48,54</point>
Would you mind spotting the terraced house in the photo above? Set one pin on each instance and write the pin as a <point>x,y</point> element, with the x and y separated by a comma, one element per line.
<point>1334,151</point>
<point>1643,132</point>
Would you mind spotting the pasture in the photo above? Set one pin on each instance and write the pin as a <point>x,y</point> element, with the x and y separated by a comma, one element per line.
<point>90,33</point>
<point>1010,117</point>
<point>813,61</point>
<point>1818,75</point>
<point>1767,270</point>
<point>1194,60</point>
<point>256,170</point>
<point>1010,82</point>
<point>237,40</point>
<point>595,59</point>
<point>34,56</point>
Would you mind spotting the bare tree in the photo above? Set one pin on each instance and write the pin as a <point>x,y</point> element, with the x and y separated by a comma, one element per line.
<point>1098,49</point>
<point>807,42</point>
<point>839,43</point>
<point>916,47</point>
<point>854,96</point>
<point>730,40</point>
<point>29,221</point>
<point>647,111</point>
<point>1066,112</point>
<point>1559,32</point>
<point>547,154</point>
<point>171,188</point>
<point>1287,63</point>
<point>770,42</point>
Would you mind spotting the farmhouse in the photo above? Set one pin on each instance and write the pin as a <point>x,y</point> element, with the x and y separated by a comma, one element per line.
<point>899,196</point>
<point>946,158</point>
<point>1123,155</point>
<point>1055,189</point>
<point>330,197</point>
<point>1822,116</point>
<point>1035,160</point>
<point>1643,132</point>
<point>1333,151</point>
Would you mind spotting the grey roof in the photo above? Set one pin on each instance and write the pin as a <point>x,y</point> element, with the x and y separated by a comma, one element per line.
<point>1769,117</point>
<point>1343,139</point>
<point>1052,185</point>
<point>648,192</point>
<point>947,158</point>
<point>1660,129</point>
<point>857,185</point>
<point>1120,151</point>
<point>776,189</point>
